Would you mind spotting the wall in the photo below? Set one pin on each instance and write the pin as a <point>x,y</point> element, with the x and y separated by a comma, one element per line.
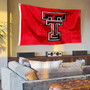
<point>3,43</point>
<point>58,4</point>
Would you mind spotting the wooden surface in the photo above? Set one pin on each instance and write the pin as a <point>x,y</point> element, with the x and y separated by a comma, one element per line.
<point>65,58</point>
<point>72,85</point>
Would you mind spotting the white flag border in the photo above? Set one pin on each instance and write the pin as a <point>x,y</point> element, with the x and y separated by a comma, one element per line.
<point>20,16</point>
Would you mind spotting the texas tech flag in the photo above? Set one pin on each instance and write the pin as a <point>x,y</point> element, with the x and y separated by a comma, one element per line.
<point>46,26</point>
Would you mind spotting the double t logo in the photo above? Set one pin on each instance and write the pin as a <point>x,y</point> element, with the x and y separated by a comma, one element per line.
<point>54,19</point>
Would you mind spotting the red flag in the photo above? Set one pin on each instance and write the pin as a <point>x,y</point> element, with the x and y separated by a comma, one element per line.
<point>46,26</point>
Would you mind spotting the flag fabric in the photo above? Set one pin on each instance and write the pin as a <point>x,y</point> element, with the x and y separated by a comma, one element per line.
<point>46,26</point>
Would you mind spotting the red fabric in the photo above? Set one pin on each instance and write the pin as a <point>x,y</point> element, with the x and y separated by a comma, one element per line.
<point>35,32</point>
